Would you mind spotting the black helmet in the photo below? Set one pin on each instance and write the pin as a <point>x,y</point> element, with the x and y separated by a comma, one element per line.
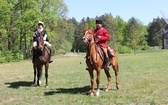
<point>99,22</point>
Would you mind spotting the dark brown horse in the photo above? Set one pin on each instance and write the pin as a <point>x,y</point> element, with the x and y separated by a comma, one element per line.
<point>41,58</point>
<point>94,61</point>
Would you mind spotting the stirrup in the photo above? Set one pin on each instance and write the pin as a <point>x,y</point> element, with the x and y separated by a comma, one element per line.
<point>107,68</point>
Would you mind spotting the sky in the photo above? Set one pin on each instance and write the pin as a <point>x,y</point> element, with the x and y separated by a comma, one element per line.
<point>144,10</point>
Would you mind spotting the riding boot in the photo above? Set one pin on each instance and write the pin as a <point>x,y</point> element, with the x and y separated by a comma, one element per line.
<point>106,59</point>
<point>34,55</point>
<point>110,52</point>
<point>50,57</point>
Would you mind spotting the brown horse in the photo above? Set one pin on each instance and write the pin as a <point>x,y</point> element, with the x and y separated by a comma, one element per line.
<point>41,58</point>
<point>94,61</point>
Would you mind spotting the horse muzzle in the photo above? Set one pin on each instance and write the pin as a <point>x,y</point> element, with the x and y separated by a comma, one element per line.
<point>85,40</point>
<point>40,49</point>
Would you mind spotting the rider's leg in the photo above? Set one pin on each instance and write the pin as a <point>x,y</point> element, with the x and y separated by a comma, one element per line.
<point>50,56</point>
<point>49,47</point>
<point>110,51</point>
<point>106,60</point>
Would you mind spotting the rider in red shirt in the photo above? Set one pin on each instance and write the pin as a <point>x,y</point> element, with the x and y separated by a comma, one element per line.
<point>101,37</point>
<point>101,34</point>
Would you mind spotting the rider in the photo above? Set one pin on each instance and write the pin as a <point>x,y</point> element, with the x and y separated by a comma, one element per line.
<point>46,41</point>
<point>101,37</point>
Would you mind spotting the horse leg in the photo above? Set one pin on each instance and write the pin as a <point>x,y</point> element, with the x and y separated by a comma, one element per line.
<point>98,82</point>
<point>39,69</point>
<point>46,74</point>
<point>108,78</point>
<point>91,81</point>
<point>34,67</point>
<point>116,70</point>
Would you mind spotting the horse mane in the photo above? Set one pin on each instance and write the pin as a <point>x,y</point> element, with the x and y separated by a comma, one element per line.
<point>89,29</point>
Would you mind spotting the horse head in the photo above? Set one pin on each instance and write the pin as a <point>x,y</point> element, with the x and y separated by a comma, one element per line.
<point>40,42</point>
<point>88,35</point>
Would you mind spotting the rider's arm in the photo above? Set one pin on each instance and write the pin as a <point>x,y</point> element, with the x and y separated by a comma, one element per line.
<point>34,37</point>
<point>45,36</point>
<point>105,35</point>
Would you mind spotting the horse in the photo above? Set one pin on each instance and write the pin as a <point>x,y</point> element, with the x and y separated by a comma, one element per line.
<point>94,61</point>
<point>41,58</point>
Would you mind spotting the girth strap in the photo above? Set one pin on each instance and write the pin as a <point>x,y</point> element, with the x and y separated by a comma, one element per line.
<point>48,50</point>
<point>99,50</point>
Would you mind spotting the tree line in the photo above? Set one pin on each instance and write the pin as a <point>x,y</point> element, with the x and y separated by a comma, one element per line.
<point>19,18</point>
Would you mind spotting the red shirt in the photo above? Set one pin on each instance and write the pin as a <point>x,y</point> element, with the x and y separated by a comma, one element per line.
<point>104,36</point>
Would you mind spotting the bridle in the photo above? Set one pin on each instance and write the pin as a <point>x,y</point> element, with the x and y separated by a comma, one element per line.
<point>40,41</point>
<point>87,38</point>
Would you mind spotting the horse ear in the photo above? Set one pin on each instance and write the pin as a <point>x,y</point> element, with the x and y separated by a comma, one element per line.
<point>89,29</point>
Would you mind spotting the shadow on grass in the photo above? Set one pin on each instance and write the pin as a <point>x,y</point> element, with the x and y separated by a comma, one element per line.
<point>77,90</point>
<point>18,84</point>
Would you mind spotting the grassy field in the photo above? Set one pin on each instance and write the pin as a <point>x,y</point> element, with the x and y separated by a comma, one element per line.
<point>143,80</point>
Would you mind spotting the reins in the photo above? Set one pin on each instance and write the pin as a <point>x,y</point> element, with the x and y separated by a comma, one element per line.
<point>96,48</point>
<point>43,48</point>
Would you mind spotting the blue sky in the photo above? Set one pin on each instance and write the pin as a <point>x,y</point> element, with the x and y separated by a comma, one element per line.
<point>144,10</point>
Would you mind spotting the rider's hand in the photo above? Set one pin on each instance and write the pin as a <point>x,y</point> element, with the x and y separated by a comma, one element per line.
<point>97,38</point>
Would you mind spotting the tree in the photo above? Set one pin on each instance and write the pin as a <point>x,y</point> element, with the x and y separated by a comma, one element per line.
<point>156,25</point>
<point>5,13</point>
<point>135,35</point>
<point>19,20</point>
<point>142,42</point>
<point>121,25</point>
<point>65,31</point>
<point>132,34</point>
<point>79,45</point>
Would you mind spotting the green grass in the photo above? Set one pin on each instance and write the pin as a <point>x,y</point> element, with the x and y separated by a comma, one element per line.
<point>142,77</point>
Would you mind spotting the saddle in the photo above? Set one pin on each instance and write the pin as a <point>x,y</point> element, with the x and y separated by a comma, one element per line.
<point>48,49</point>
<point>102,53</point>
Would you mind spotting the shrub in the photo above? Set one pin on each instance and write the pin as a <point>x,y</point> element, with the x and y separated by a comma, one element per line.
<point>9,56</point>
<point>17,57</point>
<point>125,49</point>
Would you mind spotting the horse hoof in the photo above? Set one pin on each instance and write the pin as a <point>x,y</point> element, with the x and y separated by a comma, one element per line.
<point>34,82</point>
<point>33,85</point>
<point>91,94</point>
<point>39,82</point>
<point>107,90</point>
<point>98,92</point>
<point>46,86</point>
<point>118,87</point>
